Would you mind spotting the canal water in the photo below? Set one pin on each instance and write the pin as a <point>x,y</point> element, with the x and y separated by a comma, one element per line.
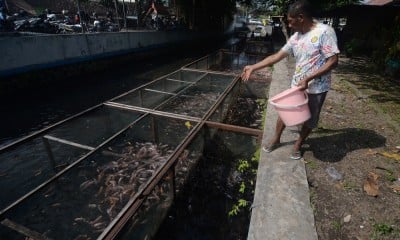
<point>26,110</point>
<point>216,204</point>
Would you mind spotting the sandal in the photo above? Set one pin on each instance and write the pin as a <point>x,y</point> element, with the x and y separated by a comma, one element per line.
<point>271,147</point>
<point>295,155</point>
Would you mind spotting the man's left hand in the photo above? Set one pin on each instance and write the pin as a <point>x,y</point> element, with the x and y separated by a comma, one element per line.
<point>303,84</point>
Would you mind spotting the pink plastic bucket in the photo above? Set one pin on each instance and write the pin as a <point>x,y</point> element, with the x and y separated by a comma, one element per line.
<point>292,106</point>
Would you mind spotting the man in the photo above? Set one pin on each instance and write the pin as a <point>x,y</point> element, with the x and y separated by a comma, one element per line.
<point>314,46</point>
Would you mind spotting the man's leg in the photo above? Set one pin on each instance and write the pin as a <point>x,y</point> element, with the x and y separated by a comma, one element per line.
<point>315,102</point>
<point>304,132</point>
<point>276,139</point>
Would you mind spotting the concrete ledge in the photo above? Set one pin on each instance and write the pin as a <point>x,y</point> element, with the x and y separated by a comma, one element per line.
<point>281,208</point>
<point>24,53</point>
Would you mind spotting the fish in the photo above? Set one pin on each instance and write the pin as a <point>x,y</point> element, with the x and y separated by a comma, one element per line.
<point>87,184</point>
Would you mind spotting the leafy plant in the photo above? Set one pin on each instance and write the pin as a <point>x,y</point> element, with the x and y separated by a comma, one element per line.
<point>389,176</point>
<point>256,156</point>
<point>235,210</point>
<point>243,165</point>
<point>242,187</point>
<point>247,168</point>
<point>242,203</point>
<point>382,229</point>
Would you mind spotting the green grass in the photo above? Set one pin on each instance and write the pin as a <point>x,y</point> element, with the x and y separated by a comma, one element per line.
<point>385,231</point>
<point>349,186</point>
<point>312,164</point>
<point>337,225</point>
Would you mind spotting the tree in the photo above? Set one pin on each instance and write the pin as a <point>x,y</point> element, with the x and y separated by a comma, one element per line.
<point>107,3</point>
<point>206,14</point>
<point>281,6</point>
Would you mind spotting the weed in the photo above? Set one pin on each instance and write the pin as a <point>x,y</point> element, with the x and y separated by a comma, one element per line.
<point>383,229</point>
<point>349,186</point>
<point>313,199</point>
<point>246,167</point>
<point>312,165</point>
<point>256,156</point>
<point>389,176</point>
<point>236,207</point>
<point>337,225</point>
<point>242,187</point>
<point>235,210</point>
<point>386,231</point>
<point>243,165</point>
<point>242,203</point>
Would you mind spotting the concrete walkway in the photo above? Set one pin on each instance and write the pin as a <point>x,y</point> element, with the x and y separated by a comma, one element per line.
<point>281,208</point>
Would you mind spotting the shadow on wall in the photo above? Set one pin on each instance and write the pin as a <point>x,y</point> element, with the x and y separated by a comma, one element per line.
<point>336,144</point>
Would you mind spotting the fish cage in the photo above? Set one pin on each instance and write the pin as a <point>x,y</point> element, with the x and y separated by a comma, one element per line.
<point>234,62</point>
<point>225,61</point>
<point>231,62</point>
<point>113,170</point>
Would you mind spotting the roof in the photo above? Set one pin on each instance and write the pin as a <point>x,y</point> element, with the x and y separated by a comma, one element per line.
<point>391,7</point>
<point>378,2</point>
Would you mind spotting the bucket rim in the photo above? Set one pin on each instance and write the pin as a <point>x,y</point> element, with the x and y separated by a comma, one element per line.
<point>285,93</point>
<point>289,107</point>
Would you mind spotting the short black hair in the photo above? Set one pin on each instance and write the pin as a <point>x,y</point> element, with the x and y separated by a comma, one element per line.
<point>301,7</point>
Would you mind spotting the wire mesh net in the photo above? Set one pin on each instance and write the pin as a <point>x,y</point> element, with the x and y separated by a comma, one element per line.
<point>88,197</point>
<point>138,148</point>
<point>226,61</point>
<point>198,98</point>
<point>146,221</point>
<point>28,165</point>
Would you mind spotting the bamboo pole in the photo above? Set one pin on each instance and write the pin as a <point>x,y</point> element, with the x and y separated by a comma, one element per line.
<point>124,12</point>
<point>117,15</point>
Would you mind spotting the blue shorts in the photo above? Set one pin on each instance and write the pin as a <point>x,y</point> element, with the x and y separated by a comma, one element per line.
<point>315,102</point>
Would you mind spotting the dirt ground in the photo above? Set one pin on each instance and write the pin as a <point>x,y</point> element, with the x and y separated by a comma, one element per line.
<point>353,158</point>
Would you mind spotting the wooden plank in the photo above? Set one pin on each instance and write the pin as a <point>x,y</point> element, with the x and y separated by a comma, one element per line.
<point>234,128</point>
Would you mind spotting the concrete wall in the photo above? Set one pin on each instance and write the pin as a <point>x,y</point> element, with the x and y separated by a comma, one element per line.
<point>24,53</point>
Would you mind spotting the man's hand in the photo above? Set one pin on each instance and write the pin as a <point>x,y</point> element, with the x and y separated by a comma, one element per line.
<point>247,70</point>
<point>303,84</point>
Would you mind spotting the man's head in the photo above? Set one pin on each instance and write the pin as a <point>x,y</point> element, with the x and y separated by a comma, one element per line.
<point>299,14</point>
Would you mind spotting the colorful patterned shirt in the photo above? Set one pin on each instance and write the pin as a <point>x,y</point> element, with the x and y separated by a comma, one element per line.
<point>311,51</point>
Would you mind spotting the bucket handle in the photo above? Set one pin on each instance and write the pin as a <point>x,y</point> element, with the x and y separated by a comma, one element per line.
<point>291,106</point>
